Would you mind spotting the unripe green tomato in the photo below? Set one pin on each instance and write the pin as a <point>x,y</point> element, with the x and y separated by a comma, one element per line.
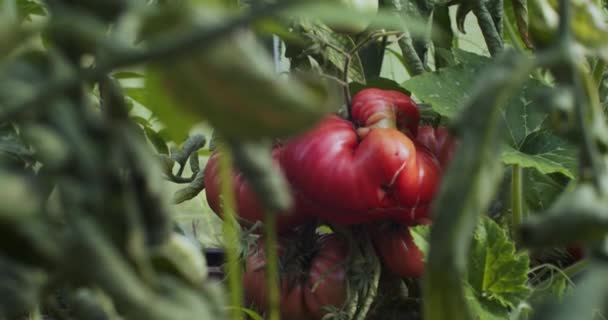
<point>360,6</point>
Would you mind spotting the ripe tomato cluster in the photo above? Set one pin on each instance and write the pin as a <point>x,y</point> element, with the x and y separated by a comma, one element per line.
<point>380,169</point>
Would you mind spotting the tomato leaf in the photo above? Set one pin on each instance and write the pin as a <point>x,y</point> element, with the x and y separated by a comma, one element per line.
<point>333,46</point>
<point>497,273</point>
<point>420,234</point>
<point>256,104</point>
<point>157,141</point>
<point>546,158</point>
<point>529,143</point>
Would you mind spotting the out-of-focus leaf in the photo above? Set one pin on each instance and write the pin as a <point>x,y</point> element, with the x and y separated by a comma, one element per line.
<point>182,256</point>
<point>576,217</point>
<point>127,75</point>
<point>588,300</point>
<point>157,141</point>
<point>20,288</point>
<point>256,163</point>
<point>233,86</point>
<point>588,24</point>
<point>17,195</point>
<point>468,187</point>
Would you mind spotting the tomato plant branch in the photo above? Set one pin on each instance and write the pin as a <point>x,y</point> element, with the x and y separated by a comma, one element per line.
<point>348,60</point>
<point>598,71</point>
<point>414,63</point>
<point>517,208</point>
<point>199,39</point>
<point>231,237</point>
<point>488,27</point>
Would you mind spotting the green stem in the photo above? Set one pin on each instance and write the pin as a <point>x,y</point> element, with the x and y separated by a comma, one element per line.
<point>517,206</point>
<point>488,28</point>
<point>598,71</point>
<point>231,234</point>
<point>576,268</point>
<point>413,63</point>
<point>272,263</point>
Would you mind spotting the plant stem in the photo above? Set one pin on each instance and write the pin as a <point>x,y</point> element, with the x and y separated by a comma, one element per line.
<point>576,268</point>
<point>413,64</point>
<point>488,28</point>
<point>231,234</point>
<point>598,71</point>
<point>272,263</point>
<point>517,206</point>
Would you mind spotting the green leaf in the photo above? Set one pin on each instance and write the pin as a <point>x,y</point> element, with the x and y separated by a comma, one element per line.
<point>541,190</point>
<point>177,120</point>
<point>183,257</point>
<point>497,273</point>
<point>420,234</point>
<point>486,310</point>
<point>530,143</point>
<point>232,85</point>
<point>546,157</point>
<point>333,47</point>
<point>157,141</point>
<point>447,89</point>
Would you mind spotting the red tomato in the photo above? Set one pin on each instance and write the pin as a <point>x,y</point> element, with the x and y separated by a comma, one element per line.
<point>438,141</point>
<point>248,207</point>
<point>397,250</point>
<point>359,174</point>
<point>314,282</point>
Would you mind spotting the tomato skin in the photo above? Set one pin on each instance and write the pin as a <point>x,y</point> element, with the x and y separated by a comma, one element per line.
<point>248,207</point>
<point>298,300</point>
<point>372,107</point>
<point>367,173</point>
<point>439,142</point>
<point>397,250</point>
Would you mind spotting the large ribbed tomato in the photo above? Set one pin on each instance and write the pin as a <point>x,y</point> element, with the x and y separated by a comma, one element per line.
<point>248,207</point>
<point>439,141</point>
<point>310,281</point>
<point>366,169</point>
<point>397,250</point>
